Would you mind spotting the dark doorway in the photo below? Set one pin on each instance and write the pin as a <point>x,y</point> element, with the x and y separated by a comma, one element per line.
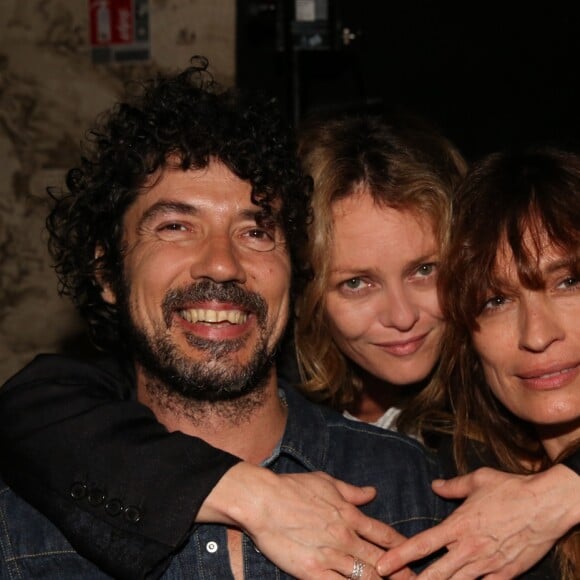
<point>488,74</point>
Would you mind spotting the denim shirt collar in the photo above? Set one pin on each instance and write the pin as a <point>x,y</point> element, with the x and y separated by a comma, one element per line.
<point>306,437</point>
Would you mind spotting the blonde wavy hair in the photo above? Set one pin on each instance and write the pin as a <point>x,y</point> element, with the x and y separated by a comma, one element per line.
<point>409,168</point>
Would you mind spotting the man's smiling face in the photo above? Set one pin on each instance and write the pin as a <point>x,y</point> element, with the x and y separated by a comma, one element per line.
<point>206,294</point>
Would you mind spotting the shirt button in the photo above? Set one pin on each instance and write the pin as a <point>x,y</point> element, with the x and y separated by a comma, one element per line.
<point>114,507</point>
<point>132,514</point>
<point>211,547</point>
<point>78,490</point>
<point>96,497</point>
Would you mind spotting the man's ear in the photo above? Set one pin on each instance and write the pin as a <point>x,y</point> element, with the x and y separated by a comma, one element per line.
<point>107,293</point>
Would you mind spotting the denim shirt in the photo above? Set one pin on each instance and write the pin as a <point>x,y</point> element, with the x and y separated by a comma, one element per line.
<point>315,439</point>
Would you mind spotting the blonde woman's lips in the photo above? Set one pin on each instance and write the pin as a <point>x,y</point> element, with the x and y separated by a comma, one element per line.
<point>405,347</point>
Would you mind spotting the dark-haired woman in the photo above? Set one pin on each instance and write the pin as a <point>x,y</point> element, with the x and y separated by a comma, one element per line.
<point>511,358</point>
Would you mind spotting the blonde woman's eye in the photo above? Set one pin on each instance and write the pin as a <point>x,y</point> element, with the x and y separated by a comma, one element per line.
<point>353,283</point>
<point>426,269</point>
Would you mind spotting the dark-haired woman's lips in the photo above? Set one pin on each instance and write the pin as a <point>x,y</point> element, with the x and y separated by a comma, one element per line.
<point>550,376</point>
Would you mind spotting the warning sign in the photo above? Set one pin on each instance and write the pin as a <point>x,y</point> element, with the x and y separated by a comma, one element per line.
<point>119,30</point>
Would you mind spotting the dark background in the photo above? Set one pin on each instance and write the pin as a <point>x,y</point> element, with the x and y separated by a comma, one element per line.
<point>487,74</point>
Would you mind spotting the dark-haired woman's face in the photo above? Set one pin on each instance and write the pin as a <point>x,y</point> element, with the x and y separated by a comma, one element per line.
<point>529,346</point>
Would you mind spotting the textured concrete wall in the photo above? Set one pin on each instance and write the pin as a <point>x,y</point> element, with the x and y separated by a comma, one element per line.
<point>49,94</point>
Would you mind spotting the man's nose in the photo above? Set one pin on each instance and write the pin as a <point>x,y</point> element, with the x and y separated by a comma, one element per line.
<point>218,259</point>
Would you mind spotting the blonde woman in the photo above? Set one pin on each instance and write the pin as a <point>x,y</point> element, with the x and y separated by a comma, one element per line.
<point>369,323</point>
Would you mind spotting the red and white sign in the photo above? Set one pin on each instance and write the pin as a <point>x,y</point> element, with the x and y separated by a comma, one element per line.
<point>112,22</point>
<point>120,27</point>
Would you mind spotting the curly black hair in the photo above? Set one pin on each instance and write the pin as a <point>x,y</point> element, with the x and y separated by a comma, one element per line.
<point>185,116</point>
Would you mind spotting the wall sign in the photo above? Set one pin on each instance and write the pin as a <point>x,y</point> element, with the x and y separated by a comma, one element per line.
<point>119,30</point>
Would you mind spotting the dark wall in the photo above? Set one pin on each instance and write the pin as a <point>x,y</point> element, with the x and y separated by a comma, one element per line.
<point>488,74</point>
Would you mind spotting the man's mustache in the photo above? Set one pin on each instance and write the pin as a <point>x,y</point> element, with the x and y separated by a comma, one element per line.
<point>207,290</point>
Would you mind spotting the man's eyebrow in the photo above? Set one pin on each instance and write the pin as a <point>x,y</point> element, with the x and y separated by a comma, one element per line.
<point>163,207</point>
<point>169,206</point>
<point>249,214</point>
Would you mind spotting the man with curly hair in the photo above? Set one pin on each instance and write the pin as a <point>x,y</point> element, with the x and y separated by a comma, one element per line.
<point>179,240</point>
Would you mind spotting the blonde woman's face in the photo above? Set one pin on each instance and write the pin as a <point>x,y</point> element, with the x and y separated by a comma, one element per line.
<point>381,301</point>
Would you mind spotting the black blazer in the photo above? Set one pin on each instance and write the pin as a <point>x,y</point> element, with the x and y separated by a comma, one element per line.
<point>76,444</point>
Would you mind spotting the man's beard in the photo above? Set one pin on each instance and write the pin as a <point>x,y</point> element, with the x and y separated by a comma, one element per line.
<point>216,377</point>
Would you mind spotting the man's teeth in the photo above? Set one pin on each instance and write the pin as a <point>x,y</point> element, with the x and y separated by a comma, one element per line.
<point>213,316</point>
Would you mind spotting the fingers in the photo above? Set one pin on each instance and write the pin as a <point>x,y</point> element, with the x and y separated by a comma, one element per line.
<point>378,533</point>
<point>507,523</point>
<point>344,539</point>
<point>310,526</point>
<point>456,488</point>
<point>346,566</point>
<point>447,568</point>
<point>369,573</point>
<point>354,494</point>
<point>469,556</point>
<point>349,566</point>
<point>465,563</point>
<point>415,548</point>
<point>463,485</point>
<point>404,574</point>
<point>360,570</point>
<point>503,575</point>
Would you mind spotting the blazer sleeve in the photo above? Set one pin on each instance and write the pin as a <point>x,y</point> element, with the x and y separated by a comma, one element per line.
<point>76,445</point>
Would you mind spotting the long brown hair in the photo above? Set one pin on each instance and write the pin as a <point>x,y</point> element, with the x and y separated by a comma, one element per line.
<point>536,192</point>
<point>408,168</point>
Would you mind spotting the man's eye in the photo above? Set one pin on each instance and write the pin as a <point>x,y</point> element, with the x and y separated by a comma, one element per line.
<point>260,234</point>
<point>259,239</point>
<point>177,232</point>
<point>173,227</point>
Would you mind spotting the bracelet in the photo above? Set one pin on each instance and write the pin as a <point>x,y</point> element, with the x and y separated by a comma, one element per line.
<point>573,462</point>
